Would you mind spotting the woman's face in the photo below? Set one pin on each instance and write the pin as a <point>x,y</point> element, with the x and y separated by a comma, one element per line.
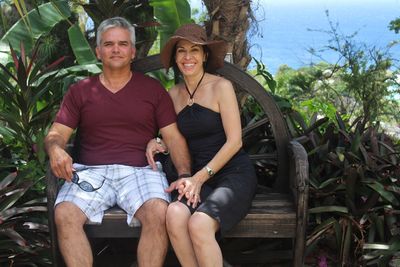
<point>189,57</point>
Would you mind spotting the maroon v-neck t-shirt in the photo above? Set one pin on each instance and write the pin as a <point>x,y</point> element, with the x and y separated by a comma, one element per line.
<point>116,127</point>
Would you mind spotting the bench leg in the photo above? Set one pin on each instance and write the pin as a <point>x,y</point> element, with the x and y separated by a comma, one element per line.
<point>298,257</point>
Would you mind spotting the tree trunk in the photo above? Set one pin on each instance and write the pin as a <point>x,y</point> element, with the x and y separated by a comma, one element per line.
<point>230,21</point>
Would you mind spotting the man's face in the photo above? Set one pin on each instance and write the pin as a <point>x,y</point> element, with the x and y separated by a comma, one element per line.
<point>115,50</point>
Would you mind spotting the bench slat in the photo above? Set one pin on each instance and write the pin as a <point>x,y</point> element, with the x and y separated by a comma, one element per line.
<point>271,215</point>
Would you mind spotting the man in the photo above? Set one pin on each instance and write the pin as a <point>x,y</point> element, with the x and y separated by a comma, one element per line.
<point>117,113</point>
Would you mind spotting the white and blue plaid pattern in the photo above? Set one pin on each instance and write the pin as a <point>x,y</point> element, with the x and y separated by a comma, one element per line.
<point>125,186</point>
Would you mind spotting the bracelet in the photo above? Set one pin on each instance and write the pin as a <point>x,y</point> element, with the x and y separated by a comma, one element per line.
<point>158,141</point>
<point>184,175</point>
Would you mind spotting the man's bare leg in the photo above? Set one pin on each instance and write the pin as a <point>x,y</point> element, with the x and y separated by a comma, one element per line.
<point>153,243</point>
<point>72,240</point>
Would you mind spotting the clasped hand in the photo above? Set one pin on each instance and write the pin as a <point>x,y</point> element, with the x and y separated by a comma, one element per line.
<point>187,187</point>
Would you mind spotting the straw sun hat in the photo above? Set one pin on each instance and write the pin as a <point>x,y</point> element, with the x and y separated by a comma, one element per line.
<point>197,35</point>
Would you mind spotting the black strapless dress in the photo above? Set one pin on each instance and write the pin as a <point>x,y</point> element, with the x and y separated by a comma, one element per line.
<point>227,196</point>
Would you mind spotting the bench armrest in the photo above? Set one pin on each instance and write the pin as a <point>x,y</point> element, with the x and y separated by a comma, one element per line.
<point>299,179</point>
<point>51,192</point>
<point>298,172</point>
<point>299,185</point>
<point>51,186</point>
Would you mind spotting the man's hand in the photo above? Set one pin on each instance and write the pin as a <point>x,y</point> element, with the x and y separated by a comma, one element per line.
<point>55,142</point>
<point>155,146</point>
<point>61,163</point>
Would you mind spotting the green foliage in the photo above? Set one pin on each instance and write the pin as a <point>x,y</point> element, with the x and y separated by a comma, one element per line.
<point>101,10</point>
<point>41,21</point>
<point>354,197</point>
<point>139,13</point>
<point>198,16</point>
<point>354,169</point>
<point>29,92</point>
<point>300,84</point>
<point>315,106</point>
<point>365,75</point>
<point>23,228</point>
<point>394,25</point>
<point>269,79</point>
<point>177,15</point>
<point>82,50</point>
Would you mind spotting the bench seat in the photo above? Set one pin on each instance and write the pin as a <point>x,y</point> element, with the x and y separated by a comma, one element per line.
<point>272,216</point>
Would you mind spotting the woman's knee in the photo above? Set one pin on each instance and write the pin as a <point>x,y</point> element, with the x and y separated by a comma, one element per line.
<point>202,226</point>
<point>177,216</point>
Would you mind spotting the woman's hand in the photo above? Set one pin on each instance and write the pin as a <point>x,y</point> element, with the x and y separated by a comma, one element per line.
<point>155,146</point>
<point>189,187</point>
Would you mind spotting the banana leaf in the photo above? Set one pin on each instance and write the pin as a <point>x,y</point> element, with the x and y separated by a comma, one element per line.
<point>171,14</point>
<point>80,46</point>
<point>42,20</point>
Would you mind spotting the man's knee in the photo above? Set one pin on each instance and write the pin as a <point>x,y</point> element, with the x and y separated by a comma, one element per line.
<point>67,214</point>
<point>152,212</point>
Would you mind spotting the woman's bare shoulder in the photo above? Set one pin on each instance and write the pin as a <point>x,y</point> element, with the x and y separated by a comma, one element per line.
<point>219,81</point>
<point>221,85</point>
<point>174,90</point>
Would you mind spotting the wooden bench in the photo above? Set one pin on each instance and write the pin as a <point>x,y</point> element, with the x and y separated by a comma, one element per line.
<point>279,210</point>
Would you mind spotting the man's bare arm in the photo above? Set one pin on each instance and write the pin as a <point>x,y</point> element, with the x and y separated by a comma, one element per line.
<point>178,148</point>
<point>55,143</point>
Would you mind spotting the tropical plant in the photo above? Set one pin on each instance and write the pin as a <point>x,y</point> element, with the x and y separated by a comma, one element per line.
<point>32,26</point>
<point>365,73</point>
<point>23,228</point>
<point>354,192</point>
<point>29,92</point>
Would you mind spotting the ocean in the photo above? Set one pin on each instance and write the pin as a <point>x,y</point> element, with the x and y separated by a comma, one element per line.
<point>284,28</point>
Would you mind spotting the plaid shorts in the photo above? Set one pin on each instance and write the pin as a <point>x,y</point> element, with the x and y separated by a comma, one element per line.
<point>125,186</point>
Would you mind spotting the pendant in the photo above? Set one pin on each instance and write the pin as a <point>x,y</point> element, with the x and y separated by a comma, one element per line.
<point>190,101</point>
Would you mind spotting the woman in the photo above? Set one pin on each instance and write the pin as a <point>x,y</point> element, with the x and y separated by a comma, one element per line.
<point>219,193</point>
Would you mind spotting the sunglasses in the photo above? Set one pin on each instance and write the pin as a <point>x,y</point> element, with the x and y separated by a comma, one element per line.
<point>85,186</point>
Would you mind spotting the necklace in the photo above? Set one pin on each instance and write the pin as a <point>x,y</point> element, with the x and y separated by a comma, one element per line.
<point>191,96</point>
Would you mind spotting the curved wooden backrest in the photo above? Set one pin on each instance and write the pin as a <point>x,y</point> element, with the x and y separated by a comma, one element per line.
<point>273,123</point>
